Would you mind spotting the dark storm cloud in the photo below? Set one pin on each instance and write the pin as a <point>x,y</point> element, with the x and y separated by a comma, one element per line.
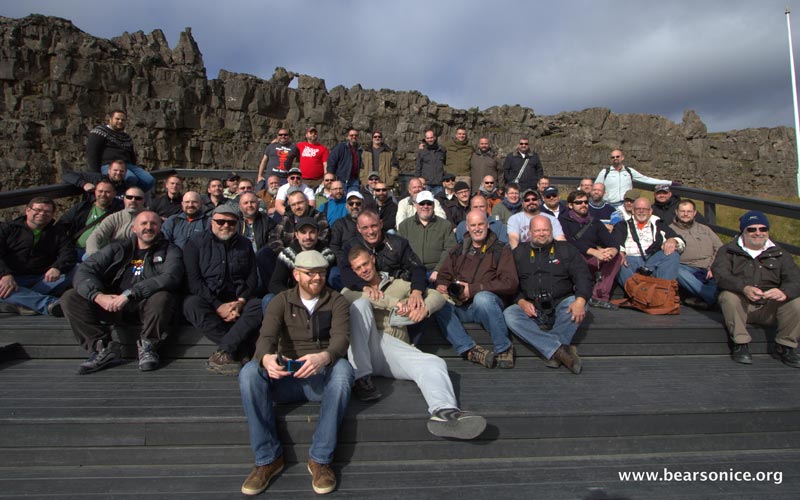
<point>728,60</point>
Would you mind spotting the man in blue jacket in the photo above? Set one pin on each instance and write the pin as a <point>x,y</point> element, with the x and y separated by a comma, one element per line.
<point>345,161</point>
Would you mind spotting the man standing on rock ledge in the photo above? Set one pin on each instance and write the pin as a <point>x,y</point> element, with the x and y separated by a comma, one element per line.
<point>278,157</point>
<point>109,142</point>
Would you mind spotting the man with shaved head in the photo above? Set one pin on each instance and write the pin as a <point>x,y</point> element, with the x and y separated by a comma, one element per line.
<point>132,281</point>
<point>555,287</point>
<point>192,220</point>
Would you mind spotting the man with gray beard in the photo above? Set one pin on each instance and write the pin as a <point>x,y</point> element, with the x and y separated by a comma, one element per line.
<point>222,285</point>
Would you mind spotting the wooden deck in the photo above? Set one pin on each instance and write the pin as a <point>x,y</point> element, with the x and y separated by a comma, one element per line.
<point>656,393</point>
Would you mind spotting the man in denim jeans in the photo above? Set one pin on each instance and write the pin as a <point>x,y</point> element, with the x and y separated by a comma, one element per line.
<point>554,287</point>
<point>309,326</point>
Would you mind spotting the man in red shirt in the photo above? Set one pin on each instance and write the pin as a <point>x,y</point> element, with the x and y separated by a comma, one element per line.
<point>313,158</point>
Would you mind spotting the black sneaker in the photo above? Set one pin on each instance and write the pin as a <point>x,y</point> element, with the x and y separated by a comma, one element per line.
<point>787,355</point>
<point>148,357</point>
<point>365,390</point>
<point>741,354</point>
<point>54,309</point>
<point>104,355</point>
<point>457,424</point>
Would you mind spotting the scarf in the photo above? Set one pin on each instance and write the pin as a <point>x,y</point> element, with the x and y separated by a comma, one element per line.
<point>512,207</point>
<point>577,218</point>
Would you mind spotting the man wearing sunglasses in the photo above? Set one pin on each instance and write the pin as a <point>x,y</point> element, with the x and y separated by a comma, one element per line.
<point>220,272</point>
<point>595,244</point>
<point>279,156</point>
<point>379,160</point>
<point>552,204</point>
<point>385,206</point>
<point>759,283</point>
<point>523,166</point>
<point>117,226</point>
<point>519,224</point>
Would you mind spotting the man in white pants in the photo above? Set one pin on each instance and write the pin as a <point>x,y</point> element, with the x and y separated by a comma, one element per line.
<point>379,345</point>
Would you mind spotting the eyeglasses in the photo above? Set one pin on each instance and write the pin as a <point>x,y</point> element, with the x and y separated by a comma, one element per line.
<point>613,157</point>
<point>377,137</point>
<point>551,195</point>
<point>311,274</point>
<point>425,203</point>
<point>224,222</point>
<point>353,203</point>
<point>352,135</point>
<point>531,198</point>
<point>580,202</point>
<point>294,177</point>
<point>41,210</point>
<point>523,143</point>
<point>449,180</point>
<point>758,229</point>
<point>379,190</point>
<point>133,197</point>
<point>283,135</point>
<point>327,180</point>
<point>488,182</point>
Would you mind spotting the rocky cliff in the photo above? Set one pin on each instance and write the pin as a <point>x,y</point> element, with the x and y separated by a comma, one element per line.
<point>58,82</point>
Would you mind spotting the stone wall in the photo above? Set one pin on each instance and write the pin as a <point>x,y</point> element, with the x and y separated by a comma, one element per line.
<point>58,82</point>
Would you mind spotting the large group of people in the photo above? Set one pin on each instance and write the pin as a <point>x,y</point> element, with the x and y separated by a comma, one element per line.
<point>318,277</point>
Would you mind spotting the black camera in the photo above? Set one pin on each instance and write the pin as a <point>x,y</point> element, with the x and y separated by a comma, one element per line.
<point>545,310</point>
<point>454,290</point>
<point>644,271</point>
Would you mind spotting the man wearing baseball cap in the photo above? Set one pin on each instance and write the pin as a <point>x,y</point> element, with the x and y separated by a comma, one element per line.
<point>759,283</point>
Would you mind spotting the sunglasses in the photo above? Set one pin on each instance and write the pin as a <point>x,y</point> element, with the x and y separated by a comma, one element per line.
<point>531,198</point>
<point>133,197</point>
<point>425,203</point>
<point>379,190</point>
<point>283,135</point>
<point>523,143</point>
<point>551,196</point>
<point>224,222</point>
<point>580,202</point>
<point>376,137</point>
<point>293,177</point>
<point>613,157</point>
<point>353,203</point>
<point>759,229</point>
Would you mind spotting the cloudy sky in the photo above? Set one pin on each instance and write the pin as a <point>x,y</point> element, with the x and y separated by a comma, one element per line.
<point>726,59</point>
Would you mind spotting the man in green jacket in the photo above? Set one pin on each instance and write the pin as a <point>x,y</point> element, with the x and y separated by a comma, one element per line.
<point>430,236</point>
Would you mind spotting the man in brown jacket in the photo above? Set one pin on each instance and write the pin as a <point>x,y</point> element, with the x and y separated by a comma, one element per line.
<point>301,354</point>
<point>478,275</point>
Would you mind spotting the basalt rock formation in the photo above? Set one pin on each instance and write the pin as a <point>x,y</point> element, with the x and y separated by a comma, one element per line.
<point>58,82</point>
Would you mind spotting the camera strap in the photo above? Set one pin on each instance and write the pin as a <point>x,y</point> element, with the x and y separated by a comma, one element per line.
<point>635,236</point>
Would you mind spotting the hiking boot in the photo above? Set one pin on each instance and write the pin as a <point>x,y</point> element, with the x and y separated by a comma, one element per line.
<point>103,356</point>
<point>365,390</point>
<point>552,363</point>
<point>602,304</point>
<point>323,480</point>
<point>505,359</point>
<point>481,356</point>
<point>24,311</point>
<point>741,354</point>
<point>697,303</point>
<point>6,308</point>
<point>568,359</point>
<point>457,424</point>
<point>787,355</point>
<point>54,309</point>
<point>260,476</point>
<point>148,357</point>
<point>222,362</point>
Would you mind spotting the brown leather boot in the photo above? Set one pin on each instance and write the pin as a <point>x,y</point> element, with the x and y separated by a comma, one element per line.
<point>571,361</point>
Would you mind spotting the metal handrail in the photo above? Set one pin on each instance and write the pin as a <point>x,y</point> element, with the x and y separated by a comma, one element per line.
<point>710,199</point>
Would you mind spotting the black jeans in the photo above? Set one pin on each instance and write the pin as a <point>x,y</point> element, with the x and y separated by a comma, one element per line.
<point>91,322</point>
<point>228,336</point>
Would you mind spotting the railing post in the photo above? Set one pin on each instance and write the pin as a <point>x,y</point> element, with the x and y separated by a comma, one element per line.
<point>711,212</point>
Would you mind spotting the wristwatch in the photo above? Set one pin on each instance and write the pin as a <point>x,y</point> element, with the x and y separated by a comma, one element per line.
<point>127,293</point>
